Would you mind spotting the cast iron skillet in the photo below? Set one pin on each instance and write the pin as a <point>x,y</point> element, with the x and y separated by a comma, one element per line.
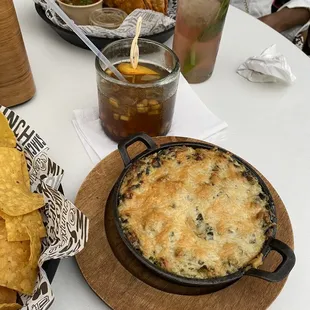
<point>72,38</point>
<point>288,257</point>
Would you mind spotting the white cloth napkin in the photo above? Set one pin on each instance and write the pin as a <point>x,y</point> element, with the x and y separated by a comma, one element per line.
<point>191,119</point>
<point>269,67</point>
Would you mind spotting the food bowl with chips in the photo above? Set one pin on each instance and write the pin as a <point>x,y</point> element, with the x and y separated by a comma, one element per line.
<point>159,17</point>
<point>36,221</point>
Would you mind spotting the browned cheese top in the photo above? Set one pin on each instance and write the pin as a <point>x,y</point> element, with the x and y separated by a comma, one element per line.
<point>196,213</point>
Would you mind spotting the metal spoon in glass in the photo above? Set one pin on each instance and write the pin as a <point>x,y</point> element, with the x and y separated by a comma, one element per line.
<point>84,38</point>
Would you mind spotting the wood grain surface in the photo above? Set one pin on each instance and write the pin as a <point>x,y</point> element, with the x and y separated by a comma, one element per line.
<point>16,81</point>
<point>123,283</point>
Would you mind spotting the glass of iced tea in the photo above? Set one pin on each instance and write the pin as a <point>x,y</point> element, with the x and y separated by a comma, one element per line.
<point>145,102</point>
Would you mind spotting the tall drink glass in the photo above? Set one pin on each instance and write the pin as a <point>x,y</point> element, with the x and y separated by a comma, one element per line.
<point>197,36</point>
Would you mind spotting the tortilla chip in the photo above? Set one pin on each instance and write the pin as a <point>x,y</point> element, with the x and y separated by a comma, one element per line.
<point>7,296</point>
<point>10,307</point>
<point>35,250</point>
<point>18,267</point>
<point>17,227</point>
<point>15,201</point>
<point>11,166</point>
<point>25,171</point>
<point>15,195</point>
<point>7,137</point>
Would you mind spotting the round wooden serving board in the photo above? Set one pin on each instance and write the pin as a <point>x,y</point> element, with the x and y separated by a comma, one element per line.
<point>123,283</point>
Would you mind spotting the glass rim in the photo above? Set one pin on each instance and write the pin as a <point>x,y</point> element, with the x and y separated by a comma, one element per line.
<point>121,14</point>
<point>169,78</point>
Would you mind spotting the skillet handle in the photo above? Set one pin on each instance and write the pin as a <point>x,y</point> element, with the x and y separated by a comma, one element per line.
<point>142,137</point>
<point>283,270</point>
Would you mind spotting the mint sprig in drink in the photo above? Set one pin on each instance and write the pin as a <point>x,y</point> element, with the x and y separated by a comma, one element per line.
<point>197,36</point>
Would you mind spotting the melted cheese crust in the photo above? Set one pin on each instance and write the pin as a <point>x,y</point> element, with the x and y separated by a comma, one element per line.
<point>196,213</point>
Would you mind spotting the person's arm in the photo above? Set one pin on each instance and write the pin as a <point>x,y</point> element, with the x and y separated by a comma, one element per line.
<point>287,18</point>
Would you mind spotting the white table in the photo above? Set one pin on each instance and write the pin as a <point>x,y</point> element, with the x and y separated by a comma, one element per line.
<point>269,125</point>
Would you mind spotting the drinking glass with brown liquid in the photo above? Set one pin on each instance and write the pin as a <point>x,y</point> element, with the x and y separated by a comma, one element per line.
<point>145,103</point>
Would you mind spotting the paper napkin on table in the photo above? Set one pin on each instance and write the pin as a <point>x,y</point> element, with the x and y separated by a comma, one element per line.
<point>191,119</point>
<point>268,67</point>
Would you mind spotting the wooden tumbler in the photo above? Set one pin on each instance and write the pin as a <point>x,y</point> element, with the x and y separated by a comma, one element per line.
<point>16,81</point>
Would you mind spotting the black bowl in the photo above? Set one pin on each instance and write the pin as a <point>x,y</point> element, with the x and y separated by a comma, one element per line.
<point>50,267</point>
<point>72,38</point>
<point>214,284</point>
